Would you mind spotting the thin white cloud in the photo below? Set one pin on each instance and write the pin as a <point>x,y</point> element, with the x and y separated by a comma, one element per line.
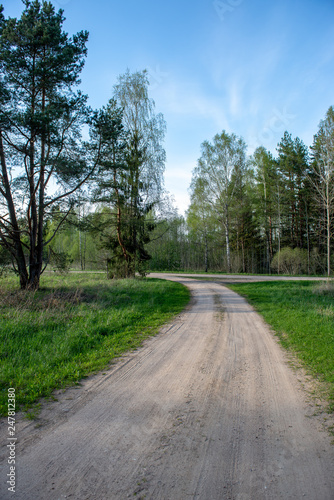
<point>182,98</point>
<point>235,99</point>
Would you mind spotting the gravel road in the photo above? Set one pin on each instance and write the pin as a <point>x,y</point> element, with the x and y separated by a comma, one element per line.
<point>208,409</point>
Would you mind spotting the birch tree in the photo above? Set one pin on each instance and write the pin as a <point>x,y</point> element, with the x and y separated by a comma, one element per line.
<point>145,164</point>
<point>199,215</point>
<point>221,164</point>
<point>322,177</point>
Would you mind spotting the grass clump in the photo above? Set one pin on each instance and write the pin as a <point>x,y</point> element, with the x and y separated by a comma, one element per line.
<point>325,288</point>
<point>302,314</point>
<point>73,326</point>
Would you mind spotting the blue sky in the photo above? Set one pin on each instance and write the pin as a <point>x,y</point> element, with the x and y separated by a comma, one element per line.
<point>252,67</point>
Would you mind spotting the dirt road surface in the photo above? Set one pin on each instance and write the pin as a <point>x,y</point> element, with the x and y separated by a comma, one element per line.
<point>208,409</point>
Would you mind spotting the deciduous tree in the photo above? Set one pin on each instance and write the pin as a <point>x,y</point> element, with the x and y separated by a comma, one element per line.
<point>322,177</point>
<point>138,185</point>
<point>221,164</point>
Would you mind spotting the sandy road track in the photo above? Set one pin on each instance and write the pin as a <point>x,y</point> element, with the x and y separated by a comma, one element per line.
<point>208,409</point>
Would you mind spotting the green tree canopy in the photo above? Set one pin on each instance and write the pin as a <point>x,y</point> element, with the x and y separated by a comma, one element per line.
<point>43,160</point>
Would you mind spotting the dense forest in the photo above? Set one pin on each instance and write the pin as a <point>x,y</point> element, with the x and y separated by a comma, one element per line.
<point>83,188</point>
<point>258,213</point>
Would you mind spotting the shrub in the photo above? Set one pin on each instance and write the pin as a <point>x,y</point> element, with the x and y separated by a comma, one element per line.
<point>324,288</point>
<point>290,261</point>
<point>60,261</point>
<point>5,262</point>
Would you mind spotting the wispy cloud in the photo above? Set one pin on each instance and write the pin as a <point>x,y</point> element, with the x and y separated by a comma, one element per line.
<point>235,99</point>
<point>185,99</point>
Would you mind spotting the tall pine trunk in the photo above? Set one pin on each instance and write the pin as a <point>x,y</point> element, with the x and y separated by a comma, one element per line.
<point>15,248</point>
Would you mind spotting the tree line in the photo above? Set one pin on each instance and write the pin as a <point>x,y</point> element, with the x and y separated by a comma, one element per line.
<point>84,187</point>
<point>248,214</point>
<point>258,214</point>
<point>58,154</point>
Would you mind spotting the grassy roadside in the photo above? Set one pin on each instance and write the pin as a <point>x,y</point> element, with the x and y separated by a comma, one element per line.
<point>73,326</point>
<point>302,314</point>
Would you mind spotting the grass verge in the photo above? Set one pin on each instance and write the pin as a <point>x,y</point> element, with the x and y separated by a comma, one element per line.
<point>73,326</point>
<point>302,315</point>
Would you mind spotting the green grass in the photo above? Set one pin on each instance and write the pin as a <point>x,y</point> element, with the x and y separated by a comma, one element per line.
<point>73,326</point>
<point>302,314</point>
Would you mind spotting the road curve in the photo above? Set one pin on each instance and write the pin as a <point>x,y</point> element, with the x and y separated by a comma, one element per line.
<point>207,409</point>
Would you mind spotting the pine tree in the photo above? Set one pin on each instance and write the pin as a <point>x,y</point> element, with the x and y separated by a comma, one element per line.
<point>40,121</point>
<point>293,166</point>
<point>141,182</point>
<point>267,181</point>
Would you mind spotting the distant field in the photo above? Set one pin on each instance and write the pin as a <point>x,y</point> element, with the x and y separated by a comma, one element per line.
<point>302,314</point>
<point>73,326</point>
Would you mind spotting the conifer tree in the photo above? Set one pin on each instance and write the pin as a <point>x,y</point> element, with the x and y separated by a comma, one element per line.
<point>137,184</point>
<point>41,115</point>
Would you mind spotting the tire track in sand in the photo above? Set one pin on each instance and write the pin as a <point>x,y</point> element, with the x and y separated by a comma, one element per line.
<point>208,409</point>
